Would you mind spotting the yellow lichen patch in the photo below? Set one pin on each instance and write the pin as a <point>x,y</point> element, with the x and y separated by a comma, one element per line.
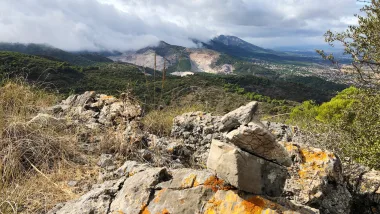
<point>232,203</point>
<point>158,197</point>
<point>216,184</point>
<point>255,204</point>
<point>189,181</point>
<point>118,212</point>
<point>290,147</point>
<point>314,163</point>
<point>311,156</point>
<point>105,97</point>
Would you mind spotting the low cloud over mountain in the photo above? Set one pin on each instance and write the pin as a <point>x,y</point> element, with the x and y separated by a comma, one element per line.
<point>133,24</point>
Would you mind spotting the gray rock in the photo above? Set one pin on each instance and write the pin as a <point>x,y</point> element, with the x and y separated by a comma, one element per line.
<point>46,120</point>
<point>186,201</point>
<point>188,178</point>
<point>316,178</point>
<point>257,140</point>
<point>196,129</point>
<point>246,171</point>
<point>96,201</point>
<point>283,132</point>
<point>105,160</point>
<point>156,190</point>
<point>135,195</point>
<point>72,183</point>
<point>237,117</point>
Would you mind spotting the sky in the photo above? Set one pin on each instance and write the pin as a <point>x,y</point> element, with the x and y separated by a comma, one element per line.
<point>132,24</point>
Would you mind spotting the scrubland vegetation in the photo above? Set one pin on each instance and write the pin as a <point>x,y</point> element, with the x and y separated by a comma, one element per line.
<point>35,161</point>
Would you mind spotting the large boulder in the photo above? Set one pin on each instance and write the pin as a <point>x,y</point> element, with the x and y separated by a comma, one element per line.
<point>245,171</point>
<point>241,116</point>
<point>257,140</point>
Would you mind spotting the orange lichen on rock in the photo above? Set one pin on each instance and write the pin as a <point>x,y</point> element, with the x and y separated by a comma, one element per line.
<point>158,196</point>
<point>216,184</point>
<point>290,147</point>
<point>165,211</point>
<point>315,155</point>
<point>144,209</point>
<point>190,181</point>
<point>314,163</point>
<point>232,203</point>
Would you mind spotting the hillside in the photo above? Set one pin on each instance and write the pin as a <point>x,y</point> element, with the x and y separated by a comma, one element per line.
<point>236,47</point>
<point>82,59</point>
<point>95,153</point>
<point>180,59</point>
<point>221,92</point>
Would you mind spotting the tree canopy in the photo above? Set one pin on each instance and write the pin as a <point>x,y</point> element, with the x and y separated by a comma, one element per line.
<point>362,43</point>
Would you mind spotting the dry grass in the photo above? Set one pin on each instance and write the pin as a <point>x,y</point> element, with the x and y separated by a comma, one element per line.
<point>160,122</point>
<point>35,160</point>
<point>38,194</point>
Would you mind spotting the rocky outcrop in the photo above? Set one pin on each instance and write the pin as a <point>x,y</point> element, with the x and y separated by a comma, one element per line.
<point>145,189</point>
<point>251,167</point>
<point>96,110</point>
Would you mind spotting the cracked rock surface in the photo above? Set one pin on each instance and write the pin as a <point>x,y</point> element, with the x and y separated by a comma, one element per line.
<point>257,140</point>
<point>145,189</point>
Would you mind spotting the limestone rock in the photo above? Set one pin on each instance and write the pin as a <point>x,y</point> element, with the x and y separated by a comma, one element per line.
<point>240,116</point>
<point>96,201</point>
<point>245,171</point>
<point>187,201</point>
<point>232,202</point>
<point>317,178</point>
<point>46,120</point>
<point>257,140</point>
<point>105,160</point>
<point>158,190</point>
<point>282,132</point>
<point>135,194</point>
<point>196,130</point>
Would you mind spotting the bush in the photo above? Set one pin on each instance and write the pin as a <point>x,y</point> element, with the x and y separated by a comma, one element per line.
<point>349,124</point>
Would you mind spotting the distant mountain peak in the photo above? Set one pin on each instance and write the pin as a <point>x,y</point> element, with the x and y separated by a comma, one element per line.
<point>236,41</point>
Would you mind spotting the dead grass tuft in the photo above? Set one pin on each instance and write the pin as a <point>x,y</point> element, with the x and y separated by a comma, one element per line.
<point>35,159</point>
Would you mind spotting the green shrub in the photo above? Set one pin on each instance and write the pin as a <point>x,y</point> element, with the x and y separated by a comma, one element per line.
<point>349,124</point>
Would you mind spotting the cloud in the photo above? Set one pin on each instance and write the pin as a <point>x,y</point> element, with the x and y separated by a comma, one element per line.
<point>132,24</point>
